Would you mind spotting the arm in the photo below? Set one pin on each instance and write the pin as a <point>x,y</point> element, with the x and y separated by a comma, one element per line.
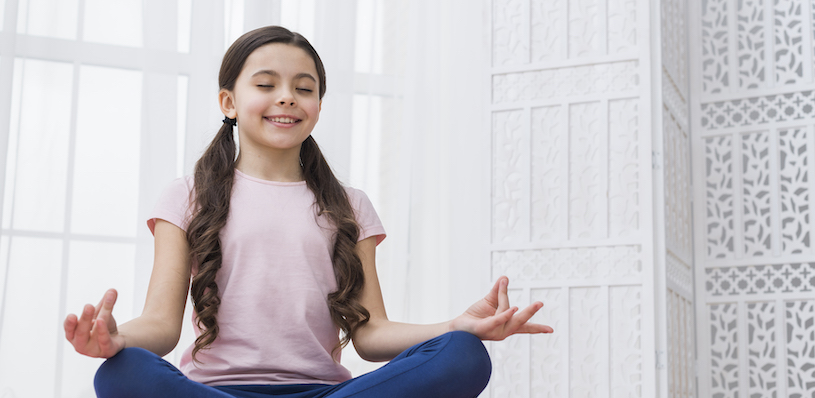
<point>158,329</point>
<point>491,318</point>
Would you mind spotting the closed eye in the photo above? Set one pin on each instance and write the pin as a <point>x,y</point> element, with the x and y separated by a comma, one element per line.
<point>305,89</point>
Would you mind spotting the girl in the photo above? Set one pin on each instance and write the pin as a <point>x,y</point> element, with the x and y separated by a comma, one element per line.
<point>282,261</point>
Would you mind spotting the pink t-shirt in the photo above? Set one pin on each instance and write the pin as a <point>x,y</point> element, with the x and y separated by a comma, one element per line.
<point>274,322</point>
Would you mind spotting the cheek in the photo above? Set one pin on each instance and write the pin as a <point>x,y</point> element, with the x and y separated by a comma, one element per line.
<point>254,105</point>
<point>312,109</point>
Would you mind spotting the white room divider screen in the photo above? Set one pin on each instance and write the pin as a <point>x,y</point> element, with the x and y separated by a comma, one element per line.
<point>572,215</point>
<point>753,103</point>
<point>610,119</point>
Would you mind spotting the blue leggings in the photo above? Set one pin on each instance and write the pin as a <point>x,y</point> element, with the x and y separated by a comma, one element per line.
<point>452,365</point>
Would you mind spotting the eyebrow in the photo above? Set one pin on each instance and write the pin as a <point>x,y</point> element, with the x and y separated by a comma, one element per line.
<point>275,74</point>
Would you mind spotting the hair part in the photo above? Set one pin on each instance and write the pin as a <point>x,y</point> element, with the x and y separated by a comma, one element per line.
<point>214,178</point>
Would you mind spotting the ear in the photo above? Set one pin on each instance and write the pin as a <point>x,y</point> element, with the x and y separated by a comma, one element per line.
<point>320,106</point>
<point>227,103</point>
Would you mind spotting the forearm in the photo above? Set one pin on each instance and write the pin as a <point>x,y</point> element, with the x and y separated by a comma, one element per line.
<point>382,340</point>
<point>150,333</point>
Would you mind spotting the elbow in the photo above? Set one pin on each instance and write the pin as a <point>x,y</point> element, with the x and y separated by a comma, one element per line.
<point>370,355</point>
<point>366,344</point>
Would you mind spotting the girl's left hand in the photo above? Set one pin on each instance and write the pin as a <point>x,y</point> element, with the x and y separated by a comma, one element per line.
<point>491,318</point>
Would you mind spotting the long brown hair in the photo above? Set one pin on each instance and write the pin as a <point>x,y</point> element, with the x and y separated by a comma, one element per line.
<point>214,177</point>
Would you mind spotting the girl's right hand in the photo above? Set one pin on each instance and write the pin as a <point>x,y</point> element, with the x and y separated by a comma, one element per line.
<point>95,334</point>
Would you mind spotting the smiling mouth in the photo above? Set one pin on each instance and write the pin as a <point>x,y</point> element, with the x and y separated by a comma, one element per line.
<point>286,120</point>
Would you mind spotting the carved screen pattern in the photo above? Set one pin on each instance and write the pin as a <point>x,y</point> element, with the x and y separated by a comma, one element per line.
<point>756,194</point>
<point>587,177</point>
<point>621,263</point>
<point>795,190</point>
<point>566,165</point>
<point>546,368</point>
<point>509,41</point>
<point>674,43</point>
<point>583,173</point>
<point>542,30</point>
<point>715,63</point>
<point>680,276</point>
<point>690,355</point>
<point>752,44</point>
<point>547,30</point>
<point>760,279</point>
<point>681,379</point>
<point>581,80</point>
<point>800,343</point>
<point>508,176</point>
<point>583,323</point>
<point>510,361</point>
<point>585,36</point>
<point>789,22</point>
<point>758,111</point>
<point>670,305</point>
<point>623,174</point>
<point>761,349</point>
<point>625,341</point>
<point>549,137</point>
<point>588,314</point>
<point>724,357</point>
<point>675,100</point>
<point>719,194</point>
<point>622,26</point>
<point>676,174</point>
<point>755,37</point>
<point>773,170</point>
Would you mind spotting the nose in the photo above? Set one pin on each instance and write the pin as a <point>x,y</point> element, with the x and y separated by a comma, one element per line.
<point>286,98</point>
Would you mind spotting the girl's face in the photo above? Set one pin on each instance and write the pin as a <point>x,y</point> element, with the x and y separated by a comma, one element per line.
<point>275,99</point>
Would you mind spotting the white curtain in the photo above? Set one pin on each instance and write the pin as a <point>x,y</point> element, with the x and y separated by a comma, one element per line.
<point>103,103</point>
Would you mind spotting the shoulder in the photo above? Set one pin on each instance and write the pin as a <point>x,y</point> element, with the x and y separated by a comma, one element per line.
<point>359,200</point>
<point>355,194</point>
<point>174,203</point>
<point>367,217</point>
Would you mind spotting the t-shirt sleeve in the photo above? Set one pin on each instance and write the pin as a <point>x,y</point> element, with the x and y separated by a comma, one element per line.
<point>174,205</point>
<point>368,220</point>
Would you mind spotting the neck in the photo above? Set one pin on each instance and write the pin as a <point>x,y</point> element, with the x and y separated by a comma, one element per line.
<point>283,166</point>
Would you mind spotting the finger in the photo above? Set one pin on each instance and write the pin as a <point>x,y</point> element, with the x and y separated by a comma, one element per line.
<point>523,316</point>
<point>500,320</point>
<point>70,327</point>
<point>492,296</point>
<point>534,328</point>
<point>503,299</point>
<point>83,327</point>
<point>98,307</point>
<point>103,338</point>
<point>107,303</point>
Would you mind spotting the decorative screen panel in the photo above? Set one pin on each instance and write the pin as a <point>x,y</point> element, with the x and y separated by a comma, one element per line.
<point>753,125</point>
<point>761,352</point>
<point>715,46</point>
<point>795,186</point>
<point>509,176</point>
<point>799,319</point>
<point>625,341</point>
<point>570,192</point>
<point>719,197</point>
<point>724,354</point>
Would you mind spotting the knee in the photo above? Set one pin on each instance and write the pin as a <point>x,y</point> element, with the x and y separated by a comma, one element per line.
<point>123,361</point>
<point>117,372</point>
<point>473,361</point>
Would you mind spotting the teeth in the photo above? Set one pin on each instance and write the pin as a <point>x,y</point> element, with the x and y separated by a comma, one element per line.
<point>282,119</point>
